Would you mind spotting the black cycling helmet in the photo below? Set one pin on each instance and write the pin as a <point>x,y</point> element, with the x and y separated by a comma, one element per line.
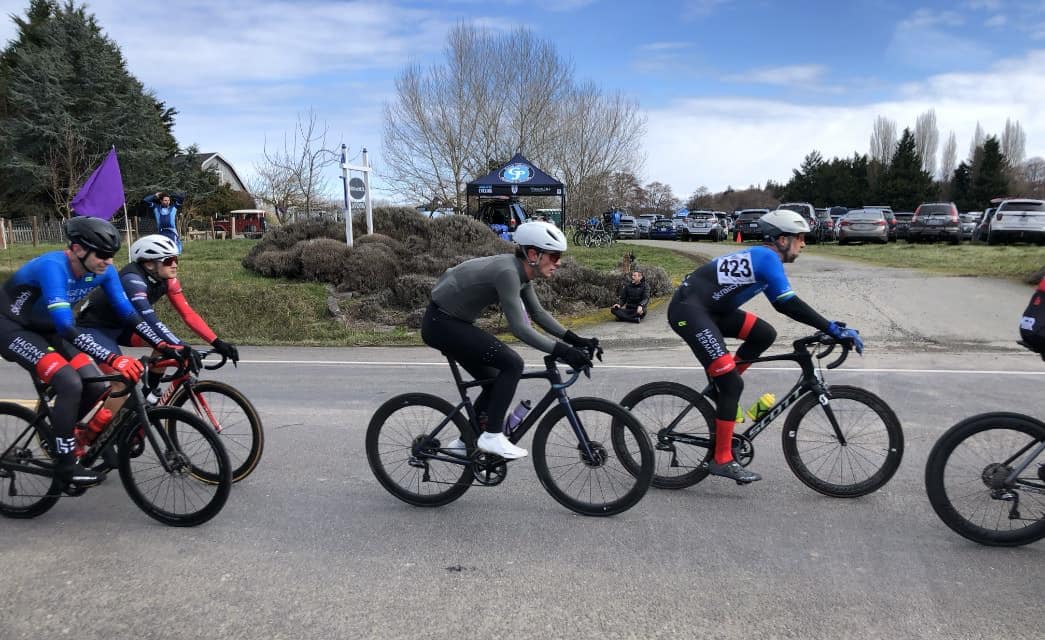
<point>93,233</point>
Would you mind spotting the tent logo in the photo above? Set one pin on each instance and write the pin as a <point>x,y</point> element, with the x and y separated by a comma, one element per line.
<point>517,172</point>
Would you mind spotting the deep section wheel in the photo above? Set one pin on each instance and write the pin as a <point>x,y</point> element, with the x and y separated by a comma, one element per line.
<point>232,415</point>
<point>23,495</point>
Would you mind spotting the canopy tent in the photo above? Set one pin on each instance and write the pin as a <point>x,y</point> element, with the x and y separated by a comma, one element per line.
<point>519,177</point>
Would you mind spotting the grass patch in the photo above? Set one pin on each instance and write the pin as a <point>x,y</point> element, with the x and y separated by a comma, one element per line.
<point>1013,262</point>
<point>678,264</point>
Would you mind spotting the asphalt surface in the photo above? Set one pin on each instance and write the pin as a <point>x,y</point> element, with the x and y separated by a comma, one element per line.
<point>310,546</point>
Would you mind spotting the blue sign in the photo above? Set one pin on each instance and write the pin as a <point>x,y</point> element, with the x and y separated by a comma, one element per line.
<point>517,172</point>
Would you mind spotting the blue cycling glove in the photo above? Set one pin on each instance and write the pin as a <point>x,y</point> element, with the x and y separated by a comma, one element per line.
<point>839,331</point>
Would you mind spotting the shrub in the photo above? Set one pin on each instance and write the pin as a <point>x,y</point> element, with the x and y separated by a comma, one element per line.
<point>658,279</point>
<point>276,263</point>
<point>395,245</point>
<point>411,291</point>
<point>396,222</point>
<point>324,259</point>
<point>464,234</point>
<point>370,267</point>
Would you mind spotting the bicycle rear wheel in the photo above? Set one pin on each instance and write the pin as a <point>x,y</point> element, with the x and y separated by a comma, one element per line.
<point>408,460</point>
<point>175,495</point>
<point>23,495</point>
<point>965,479</point>
<point>593,480</point>
<point>873,445</point>
<point>658,405</point>
<point>232,416</point>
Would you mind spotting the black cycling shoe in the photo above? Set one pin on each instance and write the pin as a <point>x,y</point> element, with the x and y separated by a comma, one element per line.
<point>109,461</point>
<point>733,471</point>
<point>74,473</point>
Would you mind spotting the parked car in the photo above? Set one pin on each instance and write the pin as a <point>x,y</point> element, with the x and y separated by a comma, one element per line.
<point>825,225</point>
<point>644,222</point>
<point>725,221</point>
<point>662,230</point>
<point>808,212</point>
<point>935,221</point>
<point>863,225</point>
<point>968,222</point>
<point>979,234</point>
<point>1018,219</point>
<point>747,224</point>
<point>502,216</point>
<point>700,225</point>
<point>903,223</point>
<point>628,229</point>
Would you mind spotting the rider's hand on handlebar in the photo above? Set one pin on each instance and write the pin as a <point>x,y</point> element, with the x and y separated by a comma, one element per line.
<point>839,331</point>
<point>225,349</point>
<point>576,358</point>
<point>130,368</point>
<point>591,345</point>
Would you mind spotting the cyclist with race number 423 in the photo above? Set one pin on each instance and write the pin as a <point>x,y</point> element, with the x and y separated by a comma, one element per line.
<point>460,296</point>
<point>706,309</point>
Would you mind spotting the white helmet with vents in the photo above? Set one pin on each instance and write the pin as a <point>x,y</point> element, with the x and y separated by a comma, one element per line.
<point>153,247</point>
<point>783,222</point>
<point>543,236</point>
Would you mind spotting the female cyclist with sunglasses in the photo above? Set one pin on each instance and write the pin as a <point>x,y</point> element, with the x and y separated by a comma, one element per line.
<point>152,274</point>
<point>37,331</point>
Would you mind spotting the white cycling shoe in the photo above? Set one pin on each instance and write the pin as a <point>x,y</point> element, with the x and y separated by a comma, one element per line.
<point>499,444</point>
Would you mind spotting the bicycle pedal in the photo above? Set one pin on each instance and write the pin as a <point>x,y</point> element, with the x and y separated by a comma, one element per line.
<point>743,482</point>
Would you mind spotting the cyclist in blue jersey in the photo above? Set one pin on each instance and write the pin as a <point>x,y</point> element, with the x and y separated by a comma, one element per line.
<point>37,331</point>
<point>706,309</point>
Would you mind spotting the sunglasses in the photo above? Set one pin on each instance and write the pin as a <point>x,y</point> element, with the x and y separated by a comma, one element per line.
<point>103,255</point>
<point>169,261</point>
<point>554,256</point>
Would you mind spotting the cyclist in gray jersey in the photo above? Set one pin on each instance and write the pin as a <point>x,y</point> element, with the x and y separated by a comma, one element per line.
<point>460,296</point>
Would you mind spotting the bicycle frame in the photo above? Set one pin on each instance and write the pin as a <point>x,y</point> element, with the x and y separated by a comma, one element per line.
<point>556,392</point>
<point>183,377</point>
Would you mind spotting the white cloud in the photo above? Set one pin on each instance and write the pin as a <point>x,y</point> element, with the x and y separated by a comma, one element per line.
<point>799,74</point>
<point>716,142</point>
<point>701,8</point>
<point>927,18</point>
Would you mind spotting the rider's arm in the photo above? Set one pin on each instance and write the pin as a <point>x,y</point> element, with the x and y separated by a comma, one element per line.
<point>54,287</point>
<point>770,270</point>
<point>794,308</point>
<point>539,314</point>
<point>188,315</point>
<point>138,293</point>
<point>512,307</point>
<point>113,287</point>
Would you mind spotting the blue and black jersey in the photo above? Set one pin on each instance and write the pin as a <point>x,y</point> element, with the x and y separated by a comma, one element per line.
<point>727,282</point>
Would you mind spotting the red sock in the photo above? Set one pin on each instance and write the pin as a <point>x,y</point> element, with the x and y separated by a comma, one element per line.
<point>723,441</point>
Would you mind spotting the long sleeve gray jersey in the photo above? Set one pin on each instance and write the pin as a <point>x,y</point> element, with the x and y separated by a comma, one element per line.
<point>465,290</point>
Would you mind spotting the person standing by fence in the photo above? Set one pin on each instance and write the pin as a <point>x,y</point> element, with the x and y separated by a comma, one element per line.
<point>165,208</point>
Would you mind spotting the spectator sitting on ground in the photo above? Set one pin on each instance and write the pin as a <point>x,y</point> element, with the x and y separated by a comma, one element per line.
<point>634,298</point>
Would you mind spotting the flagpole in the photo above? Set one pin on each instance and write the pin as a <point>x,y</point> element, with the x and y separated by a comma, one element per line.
<point>127,221</point>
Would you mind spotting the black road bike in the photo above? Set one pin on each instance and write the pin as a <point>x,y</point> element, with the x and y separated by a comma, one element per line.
<point>578,448</point>
<point>840,440</point>
<point>986,479</point>
<point>171,463</point>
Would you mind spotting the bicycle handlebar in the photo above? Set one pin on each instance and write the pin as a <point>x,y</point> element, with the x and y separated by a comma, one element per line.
<point>830,342</point>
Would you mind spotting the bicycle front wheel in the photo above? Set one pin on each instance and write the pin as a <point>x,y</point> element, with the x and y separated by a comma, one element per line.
<point>867,458</point>
<point>232,416</point>
<point>161,472</point>
<point>409,459</point>
<point>588,475</point>
<point>659,405</point>
<point>965,477</point>
<point>23,495</point>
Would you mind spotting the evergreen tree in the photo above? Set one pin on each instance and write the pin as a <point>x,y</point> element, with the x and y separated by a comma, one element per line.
<point>803,184</point>
<point>66,97</point>
<point>989,177</point>
<point>905,185</point>
<point>961,185</point>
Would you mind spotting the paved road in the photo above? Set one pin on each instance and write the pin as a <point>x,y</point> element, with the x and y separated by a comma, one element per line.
<point>311,547</point>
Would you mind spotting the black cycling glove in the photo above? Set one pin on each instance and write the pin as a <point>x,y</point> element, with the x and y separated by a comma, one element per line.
<point>576,358</point>
<point>591,345</point>
<point>225,349</point>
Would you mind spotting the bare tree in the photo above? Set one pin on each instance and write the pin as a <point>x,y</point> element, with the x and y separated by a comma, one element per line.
<point>299,166</point>
<point>659,198</point>
<point>883,140</point>
<point>275,186</point>
<point>1014,144</point>
<point>926,140</point>
<point>949,158</point>
<point>977,142</point>
<point>1034,177</point>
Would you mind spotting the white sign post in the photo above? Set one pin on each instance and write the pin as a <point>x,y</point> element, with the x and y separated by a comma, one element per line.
<point>356,189</point>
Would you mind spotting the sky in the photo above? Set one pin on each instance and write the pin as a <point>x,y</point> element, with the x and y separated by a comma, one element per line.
<point>734,93</point>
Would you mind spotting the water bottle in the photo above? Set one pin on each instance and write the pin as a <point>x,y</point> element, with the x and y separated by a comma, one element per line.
<point>762,406</point>
<point>152,398</point>
<point>85,434</point>
<point>512,423</point>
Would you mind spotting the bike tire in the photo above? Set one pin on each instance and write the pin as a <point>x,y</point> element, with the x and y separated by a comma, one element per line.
<point>395,427</point>
<point>656,405</point>
<point>957,487</point>
<point>599,486</point>
<point>24,495</point>
<point>177,497</point>
<point>240,426</point>
<point>874,447</point>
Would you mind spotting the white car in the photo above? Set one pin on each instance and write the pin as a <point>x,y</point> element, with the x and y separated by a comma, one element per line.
<point>1018,219</point>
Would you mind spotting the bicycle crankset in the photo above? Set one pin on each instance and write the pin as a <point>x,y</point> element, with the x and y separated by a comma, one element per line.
<point>489,470</point>
<point>743,450</point>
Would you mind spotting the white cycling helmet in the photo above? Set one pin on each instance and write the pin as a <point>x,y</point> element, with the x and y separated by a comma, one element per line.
<point>783,222</point>
<point>153,247</point>
<point>543,236</point>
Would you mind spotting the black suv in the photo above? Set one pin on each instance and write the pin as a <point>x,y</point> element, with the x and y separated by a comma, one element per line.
<point>935,221</point>
<point>747,224</point>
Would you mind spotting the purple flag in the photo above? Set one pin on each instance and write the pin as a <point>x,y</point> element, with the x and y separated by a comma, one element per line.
<point>102,194</point>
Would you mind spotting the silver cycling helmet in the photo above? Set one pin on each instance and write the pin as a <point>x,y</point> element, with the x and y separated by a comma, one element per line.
<point>543,236</point>
<point>153,247</point>
<point>783,222</point>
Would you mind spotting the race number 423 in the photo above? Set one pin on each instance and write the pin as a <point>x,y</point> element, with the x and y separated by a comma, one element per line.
<point>736,269</point>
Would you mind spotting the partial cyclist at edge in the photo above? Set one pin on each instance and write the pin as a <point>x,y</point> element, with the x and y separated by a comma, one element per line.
<point>38,333</point>
<point>460,296</point>
<point>706,309</point>
<point>151,275</point>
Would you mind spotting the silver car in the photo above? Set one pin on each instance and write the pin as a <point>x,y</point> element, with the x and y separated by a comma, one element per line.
<point>863,225</point>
